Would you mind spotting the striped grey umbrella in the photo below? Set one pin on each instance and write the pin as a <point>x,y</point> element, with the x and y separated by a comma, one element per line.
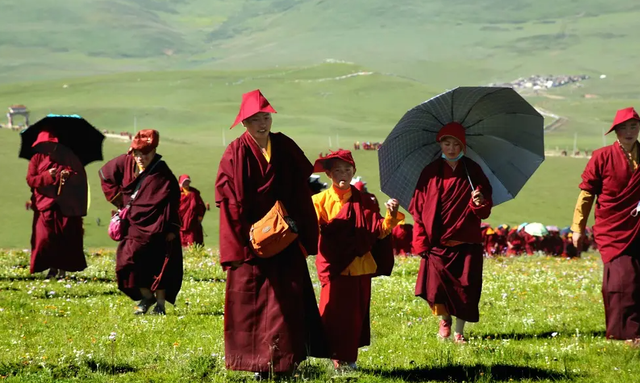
<point>505,136</point>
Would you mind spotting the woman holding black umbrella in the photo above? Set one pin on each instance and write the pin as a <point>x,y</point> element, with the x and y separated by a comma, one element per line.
<point>452,197</point>
<point>59,201</point>
<point>149,258</point>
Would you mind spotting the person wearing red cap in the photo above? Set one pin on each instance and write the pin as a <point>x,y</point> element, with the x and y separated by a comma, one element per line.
<point>611,174</point>
<point>58,185</point>
<point>352,250</point>
<point>271,319</point>
<point>149,258</point>
<point>192,210</point>
<point>452,196</point>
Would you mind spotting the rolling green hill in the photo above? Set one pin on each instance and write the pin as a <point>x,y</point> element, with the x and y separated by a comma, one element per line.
<point>440,42</point>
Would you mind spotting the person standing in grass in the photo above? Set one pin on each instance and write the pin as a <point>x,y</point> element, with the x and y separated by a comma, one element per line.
<point>352,250</point>
<point>58,185</point>
<point>447,212</point>
<point>192,210</point>
<point>271,319</point>
<point>612,175</point>
<point>149,258</point>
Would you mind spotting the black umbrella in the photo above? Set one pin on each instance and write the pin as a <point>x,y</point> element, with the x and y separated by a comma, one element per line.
<point>505,136</point>
<point>72,131</point>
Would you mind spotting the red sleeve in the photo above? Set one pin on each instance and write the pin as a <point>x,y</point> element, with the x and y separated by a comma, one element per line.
<point>592,177</point>
<point>420,238</point>
<point>483,211</point>
<point>304,213</point>
<point>201,208</point>
<point>234,235</point>
<point>35,178</point>
<point>111,178</point>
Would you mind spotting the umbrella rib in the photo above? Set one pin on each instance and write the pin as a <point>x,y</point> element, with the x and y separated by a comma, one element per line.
<point>501,114</point>
<point>433,115</point>
<point>476,103</point>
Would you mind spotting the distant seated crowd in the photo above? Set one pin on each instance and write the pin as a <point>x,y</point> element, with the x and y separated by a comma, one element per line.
<point>367,145</point>
<point>506,241</point>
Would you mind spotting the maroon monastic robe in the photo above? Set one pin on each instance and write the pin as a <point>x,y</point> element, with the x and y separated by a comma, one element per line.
<point>617,186</point>
<point>144,256</point>
<point>515,242</point>
<point>192,208</point>
<point>402,239</point>
<point>345,300</point>
<point>56,238</point>
<point>443,212</point>
<point>271,319</point>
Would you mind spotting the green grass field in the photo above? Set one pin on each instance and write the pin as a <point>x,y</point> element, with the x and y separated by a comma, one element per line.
<point>541,320</point>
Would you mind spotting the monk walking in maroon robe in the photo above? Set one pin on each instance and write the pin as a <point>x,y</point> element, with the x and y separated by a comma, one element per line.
<point>149,258</point>
<point>353,249</point>
<point>271,319</point>
<point>447,213</point>
<point>612,175</point>
<point>59,201</point>
<point>192,210</point>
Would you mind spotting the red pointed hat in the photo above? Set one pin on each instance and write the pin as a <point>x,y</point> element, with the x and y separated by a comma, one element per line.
<point>45,136</point>
<point>623,115</point>
<point>322,163</point>
<point>184,177</point>
<point>252,102</point>
<point>455,130</point>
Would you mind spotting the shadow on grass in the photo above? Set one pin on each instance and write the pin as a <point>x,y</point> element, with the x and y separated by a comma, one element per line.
<point>205,313</point>
<point>458,373</point>
<point>39,277</point>
<point>104,367</point>
<point>66,370</point>
<point>540,335</point>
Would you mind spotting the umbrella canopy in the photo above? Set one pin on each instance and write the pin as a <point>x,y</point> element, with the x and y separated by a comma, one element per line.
<point>504,134</point>
<point>553,229</point>
<point>72,131</point>
<point>522,226</point>
<point>536,229</point>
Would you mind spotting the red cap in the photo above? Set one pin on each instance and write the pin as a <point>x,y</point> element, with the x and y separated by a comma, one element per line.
<point>184,177</point>
<point>623,115</point>
<point>252,102</point>
<point>321,163</point>
<point>145,141</point>
<point>44,136</point>
<point>455,130</point>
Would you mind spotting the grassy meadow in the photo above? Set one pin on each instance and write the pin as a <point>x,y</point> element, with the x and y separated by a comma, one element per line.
<point>542,320</point>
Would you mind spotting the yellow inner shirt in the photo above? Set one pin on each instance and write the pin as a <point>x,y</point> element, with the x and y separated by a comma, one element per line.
<point>328,204</point>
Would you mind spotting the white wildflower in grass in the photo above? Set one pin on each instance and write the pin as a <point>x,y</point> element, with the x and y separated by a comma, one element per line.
<point>112,336</point>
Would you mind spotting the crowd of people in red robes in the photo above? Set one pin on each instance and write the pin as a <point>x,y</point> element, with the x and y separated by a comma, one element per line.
<point>271,221</point>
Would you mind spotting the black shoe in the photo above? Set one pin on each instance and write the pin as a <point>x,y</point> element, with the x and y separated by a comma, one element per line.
<point>52,273</point>
<point>144,305</point>
<point>159,310</point>
<point>260,376</point>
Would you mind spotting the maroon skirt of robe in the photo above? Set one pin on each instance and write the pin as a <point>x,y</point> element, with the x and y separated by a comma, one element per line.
<point>344,308</point>
<point>452,276</point>
<point>271,318</point>
<point>621,296</point>
<point>56,242</point>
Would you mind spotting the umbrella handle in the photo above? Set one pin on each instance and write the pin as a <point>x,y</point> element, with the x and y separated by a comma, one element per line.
<point>468,177</point>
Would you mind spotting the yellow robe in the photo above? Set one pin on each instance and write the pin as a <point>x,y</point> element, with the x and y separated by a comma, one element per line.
<point>328,204</point>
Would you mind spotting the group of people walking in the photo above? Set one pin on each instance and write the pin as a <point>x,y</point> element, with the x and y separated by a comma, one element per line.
<point>270,222</point>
